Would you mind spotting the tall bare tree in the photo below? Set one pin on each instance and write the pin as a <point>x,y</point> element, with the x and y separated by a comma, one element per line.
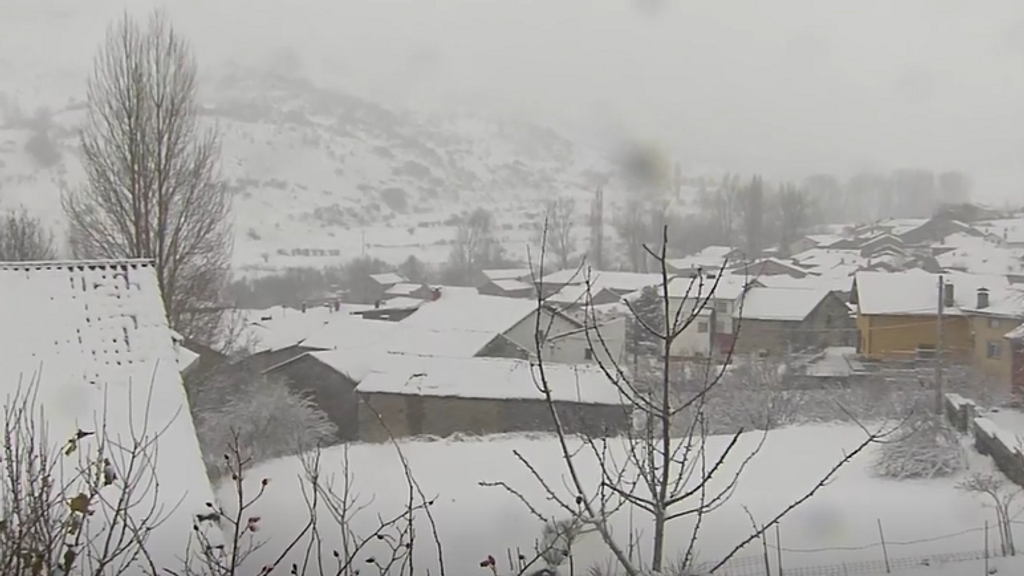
<point>794,207</point>
<point>153,188</point>
<point>752,209</point>
<point>559,238</point>
<point>24,238</point>
<point>721,207</point>
<point>476,247</point>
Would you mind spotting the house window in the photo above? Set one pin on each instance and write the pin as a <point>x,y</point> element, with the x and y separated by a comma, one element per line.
<point>702,327</point>
<point>721,306</point>
<point>994,349</point>
<point>588,354</point>
<point>993,322</point>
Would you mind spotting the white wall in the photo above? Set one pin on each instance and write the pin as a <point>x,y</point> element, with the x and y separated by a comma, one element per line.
<point>692,341</point>
<point>573,346</point>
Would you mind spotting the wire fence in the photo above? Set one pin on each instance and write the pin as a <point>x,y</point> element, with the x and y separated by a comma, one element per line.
<point>881,557</point>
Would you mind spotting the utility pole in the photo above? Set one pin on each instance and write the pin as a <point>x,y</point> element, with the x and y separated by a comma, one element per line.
<point>939,345</point>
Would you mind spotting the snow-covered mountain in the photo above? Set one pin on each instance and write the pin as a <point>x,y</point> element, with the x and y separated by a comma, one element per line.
<point>321,176</point>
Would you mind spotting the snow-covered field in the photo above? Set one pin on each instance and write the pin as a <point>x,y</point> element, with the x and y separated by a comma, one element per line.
<point>840,525</point>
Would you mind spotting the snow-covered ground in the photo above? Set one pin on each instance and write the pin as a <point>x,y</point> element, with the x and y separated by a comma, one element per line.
<point>922,520</point>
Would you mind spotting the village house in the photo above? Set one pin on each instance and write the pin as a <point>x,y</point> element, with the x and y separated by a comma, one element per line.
<point>783,321</point>
<point>709,303</point>
<point>577,297</point>
<point>423,395</point>
<point>619,283</point>
<point>709,260</point>
<point>374,287</point>
<point>506,288</point>
<point>482,277</point>
<point>936,229</point>
<point>408,290</point>
<point>993,314</point>
<point>331,361</point>
<point>1015,351</point>
<point>897,313</point>
<point>90,341</point>
<point>768,267</point>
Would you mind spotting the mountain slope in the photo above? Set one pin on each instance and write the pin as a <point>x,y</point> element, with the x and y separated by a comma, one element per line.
<point>320,176</point>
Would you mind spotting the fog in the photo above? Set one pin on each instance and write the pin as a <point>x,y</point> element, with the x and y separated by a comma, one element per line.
<point>784,88</point>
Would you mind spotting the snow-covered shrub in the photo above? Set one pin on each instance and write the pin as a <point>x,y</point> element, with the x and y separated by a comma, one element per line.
<point>928,448</point>
<point>266,419</point>
<point>752,395</point>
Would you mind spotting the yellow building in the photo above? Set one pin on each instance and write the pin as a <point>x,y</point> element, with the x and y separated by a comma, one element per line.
<point>897,317</point>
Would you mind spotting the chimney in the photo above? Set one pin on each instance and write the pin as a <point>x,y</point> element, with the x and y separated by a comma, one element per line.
<point>376,304</point>
<point>948,299</point>
<point>435,294</point>
<point>982,298</point>
<point>303,307</point>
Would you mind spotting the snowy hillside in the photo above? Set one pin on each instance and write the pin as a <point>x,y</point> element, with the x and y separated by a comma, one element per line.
<point>321,176</point>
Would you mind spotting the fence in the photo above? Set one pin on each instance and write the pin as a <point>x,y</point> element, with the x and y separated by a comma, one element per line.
<point>881,557</point>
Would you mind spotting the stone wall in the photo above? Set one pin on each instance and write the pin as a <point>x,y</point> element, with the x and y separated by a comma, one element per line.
<point>413,415</point>
<point>989,439</point>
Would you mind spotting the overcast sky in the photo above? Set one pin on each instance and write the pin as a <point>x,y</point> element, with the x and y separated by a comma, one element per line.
<point>783,87</point>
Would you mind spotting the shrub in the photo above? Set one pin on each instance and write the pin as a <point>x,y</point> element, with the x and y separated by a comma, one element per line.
<point>265,417</point>
<point>929,448</point>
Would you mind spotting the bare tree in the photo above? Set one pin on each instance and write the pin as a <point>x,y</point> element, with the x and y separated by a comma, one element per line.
<point>1001,497</point>
<point>794,209</point>
<point>560,213</point>
<point>637,223</point>
<point>655,472</point>
<point>24,238</point>
<point>476,246</point>
<point>752,210</point>
<point>721,207</point>
<point>153,188</point>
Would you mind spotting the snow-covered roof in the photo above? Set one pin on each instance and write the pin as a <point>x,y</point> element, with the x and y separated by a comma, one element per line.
<point>356,360</point>
<point>899,226</point>
<point>286,327</point>
<point>710,259</point>
<point>347,330</point>
<point>980,256</point>
<point>403,289</point>
<point>95,338</point>
<point>398,303</point>
<point>488,378</point>
<point>471,312</point>
<point>511,285</point>
<point>915,292</point>
<point>819,259</point>
<point>781,304</point>
<point>507,274</point>
<point>576,294</point>
<point>728,286</point>
<point>838,279</point>
<point>1009,229</point>
<point>388,278</point>
<point>824,239</point>
<point>618,281</point>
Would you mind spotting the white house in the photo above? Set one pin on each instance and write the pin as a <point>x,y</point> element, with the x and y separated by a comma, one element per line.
<point>91,341</point>
<point>518,321</point>
<point>711,303</point>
